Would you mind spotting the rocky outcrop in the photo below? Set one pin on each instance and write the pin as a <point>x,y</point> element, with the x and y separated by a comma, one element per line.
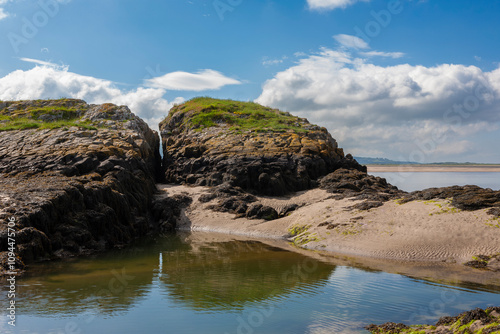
<point>351,183</point>
<point>236,201</point>
<point>477,321</point>
<point>486,262</point>
<point>76,178</point>
<point>468,198</point>
<point>209,142</point>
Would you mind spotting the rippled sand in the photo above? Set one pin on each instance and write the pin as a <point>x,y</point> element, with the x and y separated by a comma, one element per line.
<point>417,231</point>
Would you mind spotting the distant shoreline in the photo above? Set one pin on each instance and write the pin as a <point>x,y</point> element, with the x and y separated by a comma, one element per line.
<point>433,168</point>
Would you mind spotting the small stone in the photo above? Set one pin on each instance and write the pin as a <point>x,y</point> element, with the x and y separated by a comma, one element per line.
<point>494,265</point>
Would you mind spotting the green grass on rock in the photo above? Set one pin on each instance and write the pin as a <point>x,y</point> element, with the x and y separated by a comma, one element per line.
<point>205,112</point>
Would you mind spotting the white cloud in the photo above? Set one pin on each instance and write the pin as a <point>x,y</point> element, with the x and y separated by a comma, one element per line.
<point>394,55</point>
<point>42,62</point>
<point>356,43</point>
<point>350,41</point>
<point>394,109</point>
<point>270,62</point>
<point>3,14</point>
<point>331,4</point>
<point>203,80</point>
<point>46,82</point>
<point>266,61</point>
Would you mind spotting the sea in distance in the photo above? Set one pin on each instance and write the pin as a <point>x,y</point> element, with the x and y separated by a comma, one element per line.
<point>411,181</point>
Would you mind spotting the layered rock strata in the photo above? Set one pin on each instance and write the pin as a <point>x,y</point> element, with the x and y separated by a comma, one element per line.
<point>76,178</point>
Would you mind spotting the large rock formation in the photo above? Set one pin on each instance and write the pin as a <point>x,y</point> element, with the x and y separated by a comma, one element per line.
<point>75,177</point>
<point>263,150</point>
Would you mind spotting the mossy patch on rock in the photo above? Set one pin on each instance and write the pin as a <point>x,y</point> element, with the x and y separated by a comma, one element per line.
<point>61,113</point>
<point>487,262</point>
<point>208,142</point>
<point>205,112</point>
<point>477,321</point>
<point>298,229</point>
<point>301,236</point>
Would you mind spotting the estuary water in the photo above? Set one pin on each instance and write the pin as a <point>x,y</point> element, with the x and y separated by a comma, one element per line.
<point>411,181</point>
<point>192,284</point>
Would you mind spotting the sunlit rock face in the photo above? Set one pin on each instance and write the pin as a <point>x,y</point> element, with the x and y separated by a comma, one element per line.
<point>209,142</point>
<point>75,177</point>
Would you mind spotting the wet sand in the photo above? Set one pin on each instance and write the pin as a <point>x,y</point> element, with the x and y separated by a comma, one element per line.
<point>431,231</point>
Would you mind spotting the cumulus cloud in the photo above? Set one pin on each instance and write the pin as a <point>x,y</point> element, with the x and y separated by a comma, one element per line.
<point>392,110</point>
<point>203,80</point>
<point>331,4</point>
<point>48,81</point>
<point>350,41</point>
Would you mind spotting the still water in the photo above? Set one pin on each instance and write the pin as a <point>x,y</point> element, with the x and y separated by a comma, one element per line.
<point>192,284</point>
<point>411,181</point>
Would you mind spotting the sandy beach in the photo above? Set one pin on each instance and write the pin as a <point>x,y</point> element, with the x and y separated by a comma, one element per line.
<point>430,231</point>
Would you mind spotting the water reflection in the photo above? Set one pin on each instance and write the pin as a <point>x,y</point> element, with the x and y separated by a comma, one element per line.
<point>198,283</point>
<point>230,274</point>
<point>202,276</point>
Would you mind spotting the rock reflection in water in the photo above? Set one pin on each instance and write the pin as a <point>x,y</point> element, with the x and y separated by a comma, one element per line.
<point>202,275</point>
<point>227,275</point>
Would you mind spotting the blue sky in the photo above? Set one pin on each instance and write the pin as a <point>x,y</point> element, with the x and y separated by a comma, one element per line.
<point>407,80</point>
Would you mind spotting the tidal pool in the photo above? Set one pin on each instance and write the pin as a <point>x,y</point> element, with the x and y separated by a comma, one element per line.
<point>186,284</point>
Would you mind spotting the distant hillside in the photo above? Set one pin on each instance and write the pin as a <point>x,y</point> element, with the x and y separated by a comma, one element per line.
<point>382,161</point>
